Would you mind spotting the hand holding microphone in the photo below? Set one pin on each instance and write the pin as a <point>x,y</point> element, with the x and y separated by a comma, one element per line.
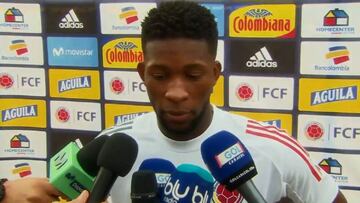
<point>231,164</point>
<point>72,169</point>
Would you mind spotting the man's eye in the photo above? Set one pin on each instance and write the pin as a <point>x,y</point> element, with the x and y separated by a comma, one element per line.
<point>158,76</point>
<point>194,75</point>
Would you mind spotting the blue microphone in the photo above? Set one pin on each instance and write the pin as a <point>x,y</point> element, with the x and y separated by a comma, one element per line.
<point>189,184</point>
<point>162,169</point>
<point>231,164</point>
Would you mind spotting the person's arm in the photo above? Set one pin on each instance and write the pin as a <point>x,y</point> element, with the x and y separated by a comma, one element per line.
<point>340,198</point>
<point>27,190</point>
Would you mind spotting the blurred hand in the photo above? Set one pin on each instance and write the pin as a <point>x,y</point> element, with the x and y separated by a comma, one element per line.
<point>27,190</point>
<point>81,198</point>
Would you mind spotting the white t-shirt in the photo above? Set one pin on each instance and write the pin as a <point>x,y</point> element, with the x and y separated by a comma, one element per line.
<point>283,166</point>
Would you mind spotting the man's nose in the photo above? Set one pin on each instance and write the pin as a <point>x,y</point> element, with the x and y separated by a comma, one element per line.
<point>176,91</point>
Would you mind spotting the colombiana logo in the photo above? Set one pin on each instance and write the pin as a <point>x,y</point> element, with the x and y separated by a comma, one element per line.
<point>117,85</point>
<point>244,92</point>
<point>314,130</point>
<point>62,114</point>
<point>6,81</point>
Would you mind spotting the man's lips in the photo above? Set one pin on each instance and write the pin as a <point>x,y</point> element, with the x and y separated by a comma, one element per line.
<point>177,116</point>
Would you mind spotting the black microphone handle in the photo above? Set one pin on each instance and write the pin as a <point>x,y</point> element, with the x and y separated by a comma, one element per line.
<point>102,185</point>
<point>250,192</point>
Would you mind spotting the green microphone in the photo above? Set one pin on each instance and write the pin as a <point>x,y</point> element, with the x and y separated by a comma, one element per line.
<point>73,168</point>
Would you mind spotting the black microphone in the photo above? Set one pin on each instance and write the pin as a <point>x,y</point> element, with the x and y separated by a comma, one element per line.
<point>231,164</point>
<point>116,158</point>
<point>144,187</point>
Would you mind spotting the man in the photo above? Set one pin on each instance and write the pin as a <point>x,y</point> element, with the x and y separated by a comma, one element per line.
<point>179,41</point>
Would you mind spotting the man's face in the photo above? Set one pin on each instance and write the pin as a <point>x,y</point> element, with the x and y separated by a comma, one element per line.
<point>179,75</point>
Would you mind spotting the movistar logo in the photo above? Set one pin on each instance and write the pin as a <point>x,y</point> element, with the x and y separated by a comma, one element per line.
<point>331,95</point>
<point>261,59</point>
<point>19,112</point>
<point>74,83</point>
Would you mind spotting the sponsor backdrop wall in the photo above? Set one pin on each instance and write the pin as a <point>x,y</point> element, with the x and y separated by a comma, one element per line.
<point>67,70</point>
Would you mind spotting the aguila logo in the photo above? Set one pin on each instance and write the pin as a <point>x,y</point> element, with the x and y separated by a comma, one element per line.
<point>62,114</point>
<point>6,81</point>
<point>245,92</point>
<point>314,130</point>
<point>117,85</point>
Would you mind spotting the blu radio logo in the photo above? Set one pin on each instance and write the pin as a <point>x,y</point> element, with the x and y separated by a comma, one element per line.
<point>123,52</point>
<point>22,169</point>
<point>333,95</point>
<point>230,155</point>
<point>339,54</point>
<point>263,21</point>
<point>75,115</point>
<point>129,14</point>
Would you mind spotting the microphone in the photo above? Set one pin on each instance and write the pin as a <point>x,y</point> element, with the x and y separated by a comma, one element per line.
<point>231,164</point>
<point>73,168</point>
<point>162,169</point>
<point>144,187</point>
<point>116,158</point>
<point>189,184</point>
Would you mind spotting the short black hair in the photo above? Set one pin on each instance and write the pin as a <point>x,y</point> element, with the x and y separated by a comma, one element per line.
<point>180,19</point>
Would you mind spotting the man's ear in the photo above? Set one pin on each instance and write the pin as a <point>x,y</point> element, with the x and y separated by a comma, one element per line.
<point>217,70</point>
<point>141,70</point>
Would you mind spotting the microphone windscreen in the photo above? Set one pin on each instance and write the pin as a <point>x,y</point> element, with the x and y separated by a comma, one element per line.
<point>186,185</point>
<point>143,186</point>
<point>118,154</point>
<point>87,156</point>
<point>227,159</point>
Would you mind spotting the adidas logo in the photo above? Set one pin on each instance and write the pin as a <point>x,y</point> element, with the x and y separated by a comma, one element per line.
<point>261,59</point>
<point>71,21</point>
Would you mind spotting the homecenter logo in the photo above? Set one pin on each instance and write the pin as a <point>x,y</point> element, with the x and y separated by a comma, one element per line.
<point>72,51</point>
<point>333,95</point>
<point>263,21</point>
<point>19,112</point>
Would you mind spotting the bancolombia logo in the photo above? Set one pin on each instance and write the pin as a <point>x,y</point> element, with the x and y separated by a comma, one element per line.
<point>123,53</point>
<point>263,21</point>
